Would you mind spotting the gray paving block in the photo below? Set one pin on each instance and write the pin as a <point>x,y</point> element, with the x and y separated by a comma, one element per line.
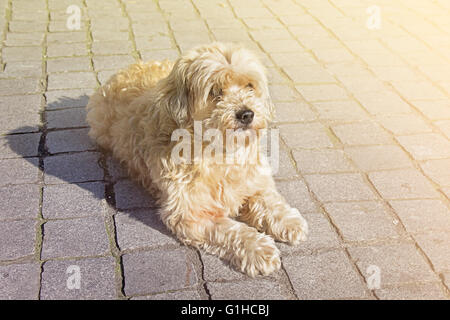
<point>327,275</point>
<point>96,275</point>
<point>20,201</point>
<point>141,228</point>
<point>69,168</point>
<point>73,200</point>
<point>19,281</point>
<point>75,238</point>
<point>258,289</point>
<point>69,140</point>
<point>157,271</point>
<point>398,263</point>
<point>362,221</point>
<point>427,291</point>
<point>130,194</point>
<point>17,239</point>
<point>17,171</point>
<point>19,86</point>
<point>61,99</point>
<point>20,104</point>
<point>74,117</point>
<point>19,145</point>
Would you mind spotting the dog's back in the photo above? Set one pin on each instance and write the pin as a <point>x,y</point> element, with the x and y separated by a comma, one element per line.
<point>114,98</point>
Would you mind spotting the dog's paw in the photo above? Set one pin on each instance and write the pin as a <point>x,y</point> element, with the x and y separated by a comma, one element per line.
<point>260,257</point>
<point>293,228</point>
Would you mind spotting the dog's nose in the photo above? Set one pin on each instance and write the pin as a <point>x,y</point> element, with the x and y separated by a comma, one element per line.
<point>245,116</point>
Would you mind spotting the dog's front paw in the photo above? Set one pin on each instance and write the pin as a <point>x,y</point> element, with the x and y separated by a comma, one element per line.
<point>293,228</point>
<point>260,257</point>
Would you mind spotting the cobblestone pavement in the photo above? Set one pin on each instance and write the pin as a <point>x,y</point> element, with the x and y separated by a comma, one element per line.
<point>362,90</point>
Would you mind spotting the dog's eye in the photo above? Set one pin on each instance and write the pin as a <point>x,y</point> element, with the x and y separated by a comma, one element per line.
<point>250,86</point>
<point>216,93</point>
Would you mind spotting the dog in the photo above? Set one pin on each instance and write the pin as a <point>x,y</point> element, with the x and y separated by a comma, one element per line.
<point>230,210</point>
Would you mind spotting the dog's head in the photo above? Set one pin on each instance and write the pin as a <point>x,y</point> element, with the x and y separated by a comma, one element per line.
<point>223,85</point>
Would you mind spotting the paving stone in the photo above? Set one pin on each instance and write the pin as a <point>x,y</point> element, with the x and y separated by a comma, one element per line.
<point>17,171</point>
<point>69,118</point>
<point>435,109</point>
<point>246,290</point>
<point>19,202</point>
<point>428,291</point>
<point>402,184</point>
<point>426,146</point>
<point>444,126</point>
<point>66,49</point>
<point>19,281</point>
<point>327,275</point>
<point>97,279</point>
<point>69,168</point>
<point>309,74</point>
<point>20,145</point>
<point>283,93</point>
<point>322,161</point>
<point>307,136</point>
<point>17,238</point>
<point>297,195</point>
<point>340,110</point>
<point>130,194</point>
<point>24,39</point>
<point>21,53</point>
<point>60,99</point>
<point>74,238</point>
<point>372,158</point>
<point>157,271</point>
<point>85,200</point>
<point>69,64</point>
<point>141,228</point>
<point>404,124</point>
<point>321,236</point>
<point>115,169</point>
<point>111,47</point>
<point>438,171</point>
<point>322,92</point>
<point>170,54</point>
<point>361,133</point>
<point>177,295</point>
<point>71,80</point>
<point>69,140</point>
<point>285,166</point>
<point>384,102</point>
<point>422,215</point>
<point>66,37</point>
<point>398,263</point>
<point>18,69</point>
<point>19,86</point>
<point>362,221</point>
<point>112,62</point>
<point>437,248</point>
<point>339,187</point>
<point>293,112</point>
<point>418,90</point>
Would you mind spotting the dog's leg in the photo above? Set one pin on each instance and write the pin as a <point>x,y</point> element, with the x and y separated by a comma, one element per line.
<point>269,212</point>
<point>247,249</point>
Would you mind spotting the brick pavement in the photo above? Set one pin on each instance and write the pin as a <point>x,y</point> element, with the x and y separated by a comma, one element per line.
<point>364,116</point>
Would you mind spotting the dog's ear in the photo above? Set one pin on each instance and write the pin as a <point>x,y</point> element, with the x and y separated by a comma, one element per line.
<point>179,104</point>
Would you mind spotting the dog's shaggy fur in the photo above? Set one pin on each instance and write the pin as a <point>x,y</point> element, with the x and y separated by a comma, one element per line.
<point>233,211</point>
